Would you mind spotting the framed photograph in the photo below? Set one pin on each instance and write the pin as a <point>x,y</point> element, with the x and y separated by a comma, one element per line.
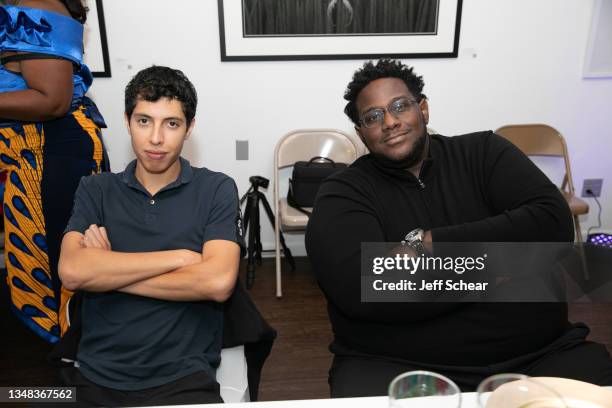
<point>598,58</point>
<point>96,46</point>
<point>276,30</point>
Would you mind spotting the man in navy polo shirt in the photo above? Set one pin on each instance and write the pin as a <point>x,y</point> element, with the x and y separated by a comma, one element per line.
<point>156,250</point>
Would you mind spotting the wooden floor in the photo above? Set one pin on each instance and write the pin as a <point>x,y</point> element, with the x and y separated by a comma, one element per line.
<point>297,367</point>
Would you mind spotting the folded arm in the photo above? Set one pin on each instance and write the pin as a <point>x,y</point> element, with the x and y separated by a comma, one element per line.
<point>528,207</point>
<point>87,262</point>
<point>338,226</point>
<point>84,265</point>
<point>213,278</point>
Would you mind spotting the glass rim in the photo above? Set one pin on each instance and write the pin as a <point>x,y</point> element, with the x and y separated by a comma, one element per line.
<point>515,377</point>
<point>407,374</point>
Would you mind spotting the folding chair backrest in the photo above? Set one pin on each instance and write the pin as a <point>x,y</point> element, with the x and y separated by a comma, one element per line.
<point>302,145</point>
<point>540,140</point>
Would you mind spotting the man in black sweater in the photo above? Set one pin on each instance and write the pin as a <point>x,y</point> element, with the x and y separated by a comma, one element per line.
<point>471,188</point>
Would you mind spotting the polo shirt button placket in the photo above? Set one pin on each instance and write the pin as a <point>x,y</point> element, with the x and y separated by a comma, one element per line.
<point>151,210</point>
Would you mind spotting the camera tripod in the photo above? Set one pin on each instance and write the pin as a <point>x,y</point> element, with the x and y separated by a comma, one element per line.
<point>251,222</point>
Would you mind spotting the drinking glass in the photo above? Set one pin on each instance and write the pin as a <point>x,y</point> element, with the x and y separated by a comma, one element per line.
<point>437,390</point>
<point>517,391</point>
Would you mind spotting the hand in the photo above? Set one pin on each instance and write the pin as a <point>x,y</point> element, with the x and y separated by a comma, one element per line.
<point>428,242</point>
<point>190,257</point>
<point>404,250</point>
<point>96,237</point>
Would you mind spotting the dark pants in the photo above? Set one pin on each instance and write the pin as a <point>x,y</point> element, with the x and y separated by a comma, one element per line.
<point>569,357</point>
<point>197,388</point>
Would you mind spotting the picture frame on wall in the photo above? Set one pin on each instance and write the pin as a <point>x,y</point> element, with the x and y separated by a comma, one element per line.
<point>96,46</point>
<point>261,30</point>
<point>598,58</point>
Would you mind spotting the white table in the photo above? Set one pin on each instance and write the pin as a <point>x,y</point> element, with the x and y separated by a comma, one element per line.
<point>468,401</point>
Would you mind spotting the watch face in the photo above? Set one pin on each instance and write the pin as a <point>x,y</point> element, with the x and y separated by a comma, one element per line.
<point>414,235</point>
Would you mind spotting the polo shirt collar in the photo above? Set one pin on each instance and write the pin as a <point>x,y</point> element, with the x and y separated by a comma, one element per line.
<point>185,176</point>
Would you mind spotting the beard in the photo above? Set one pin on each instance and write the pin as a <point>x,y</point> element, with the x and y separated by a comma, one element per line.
<point>412,158</point>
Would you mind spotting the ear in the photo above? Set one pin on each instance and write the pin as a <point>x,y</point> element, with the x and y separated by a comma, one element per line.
<point>358,131</point>
<point>127,122</point>
<point>190,129</point>
<point>425,110</point>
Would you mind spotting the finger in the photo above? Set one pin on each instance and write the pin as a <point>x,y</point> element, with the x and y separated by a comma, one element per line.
<point>95,230</point>
<point>92,238</point>
<point>90,241</point>
<point>91,230</point>
<point>104,235</point>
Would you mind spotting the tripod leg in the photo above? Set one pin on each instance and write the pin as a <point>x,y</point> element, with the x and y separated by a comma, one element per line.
<point>244,197</point>
<point>256,226</point>
<point>258,246</point>
<point>286,251</point>
<point>246,218</point>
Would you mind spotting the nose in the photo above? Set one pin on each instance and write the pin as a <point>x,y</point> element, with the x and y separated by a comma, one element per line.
<point>157,136</point>
<point>390,121</point>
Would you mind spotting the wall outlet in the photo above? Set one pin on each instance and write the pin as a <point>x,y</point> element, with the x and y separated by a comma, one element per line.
<point>592,184</point>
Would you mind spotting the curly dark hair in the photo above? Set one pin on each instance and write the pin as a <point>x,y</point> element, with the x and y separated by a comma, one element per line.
<point>157,82</point>
<point>384,68</point>
<point>77,10</point>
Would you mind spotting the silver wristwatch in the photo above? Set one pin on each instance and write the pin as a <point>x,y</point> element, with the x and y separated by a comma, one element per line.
<point>414,239</point>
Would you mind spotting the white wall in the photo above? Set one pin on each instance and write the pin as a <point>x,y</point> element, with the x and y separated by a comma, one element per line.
<point>520,61</point>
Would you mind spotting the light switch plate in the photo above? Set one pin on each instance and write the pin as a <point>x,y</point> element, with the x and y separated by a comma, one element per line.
<point>242,150</point>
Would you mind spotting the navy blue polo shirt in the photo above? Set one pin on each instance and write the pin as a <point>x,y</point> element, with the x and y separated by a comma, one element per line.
<point>133,342</point>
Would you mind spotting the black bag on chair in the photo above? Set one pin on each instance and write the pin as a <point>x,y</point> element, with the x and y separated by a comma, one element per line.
<point>306,179</point>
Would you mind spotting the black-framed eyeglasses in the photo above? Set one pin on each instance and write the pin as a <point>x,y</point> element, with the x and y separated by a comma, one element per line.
<point>399,108</point>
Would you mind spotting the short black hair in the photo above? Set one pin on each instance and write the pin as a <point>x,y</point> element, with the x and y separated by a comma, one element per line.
<point>157,82</point>
<point>384,68</point>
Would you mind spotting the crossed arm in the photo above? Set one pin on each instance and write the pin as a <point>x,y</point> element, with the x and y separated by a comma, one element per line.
<point>87,262</point>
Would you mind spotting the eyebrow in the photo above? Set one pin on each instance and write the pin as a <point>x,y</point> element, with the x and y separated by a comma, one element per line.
<point>144,115</point>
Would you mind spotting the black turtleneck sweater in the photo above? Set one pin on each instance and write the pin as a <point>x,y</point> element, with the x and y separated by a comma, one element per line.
<point>471,188</point>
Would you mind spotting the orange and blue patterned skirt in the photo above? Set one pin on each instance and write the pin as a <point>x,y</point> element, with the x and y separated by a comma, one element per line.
<point>45,162</point>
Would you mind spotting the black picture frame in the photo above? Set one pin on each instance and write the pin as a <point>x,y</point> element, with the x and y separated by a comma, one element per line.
<point>236,46</point>
<point>598,58</point>
<point>96,44</point>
